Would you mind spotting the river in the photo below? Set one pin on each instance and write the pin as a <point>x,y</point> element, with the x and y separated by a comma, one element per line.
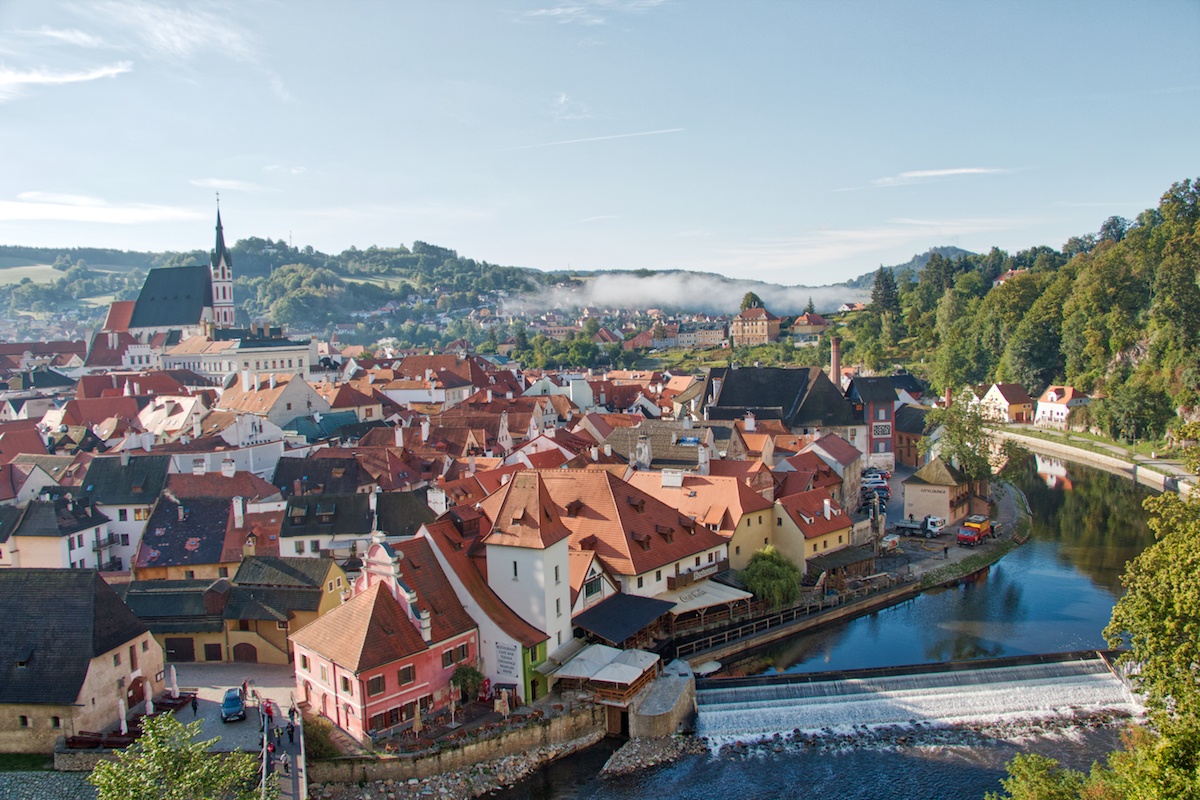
<point>1053,594</point>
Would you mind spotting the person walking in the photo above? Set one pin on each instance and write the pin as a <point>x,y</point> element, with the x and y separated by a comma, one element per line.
<point>292,713</point>
<point>285,762</point>
<point>291,729</point>
<point>195,705</point>
<point>278,734</point>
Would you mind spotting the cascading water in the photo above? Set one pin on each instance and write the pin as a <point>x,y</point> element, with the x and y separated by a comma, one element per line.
<point>1036,691</point>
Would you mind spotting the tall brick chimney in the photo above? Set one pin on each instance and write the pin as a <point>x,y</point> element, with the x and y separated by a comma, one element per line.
<point>835,361</point>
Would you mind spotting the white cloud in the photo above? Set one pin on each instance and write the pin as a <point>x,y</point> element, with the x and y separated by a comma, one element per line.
<point>591,12</point>
<point>281,168</point>
<point>595,139</point>
<point>72,36</point>
<point>564,109</point>
<point>177,33</point>
<point>225,183</point>
<point>47,206</point>
<point>14,83</point>
<point>922,175</point>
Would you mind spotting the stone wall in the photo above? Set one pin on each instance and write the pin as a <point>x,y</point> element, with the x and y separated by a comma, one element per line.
<point>81,760</point>
<point>545,732</point>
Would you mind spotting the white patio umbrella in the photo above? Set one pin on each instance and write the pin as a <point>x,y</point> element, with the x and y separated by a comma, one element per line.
<point>149,702</point>
<point>504,703</point>
<point>416,723</point>
<point>122,711</point>
<point>174,683</point>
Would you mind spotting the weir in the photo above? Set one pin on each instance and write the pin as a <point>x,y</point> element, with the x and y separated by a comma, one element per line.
<point>993,693</point>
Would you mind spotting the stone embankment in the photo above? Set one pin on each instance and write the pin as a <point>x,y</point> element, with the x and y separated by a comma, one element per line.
<point>640,754</point>
<point>479,779</point>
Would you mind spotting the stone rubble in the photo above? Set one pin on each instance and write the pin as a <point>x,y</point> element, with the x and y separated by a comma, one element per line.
<point>640,754</point>
<point>479,779</point>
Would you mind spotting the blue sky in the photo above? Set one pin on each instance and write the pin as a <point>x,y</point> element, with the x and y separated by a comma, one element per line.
<point>792,142</point>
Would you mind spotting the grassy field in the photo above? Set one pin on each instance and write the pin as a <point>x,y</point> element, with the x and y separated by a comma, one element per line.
<point>38,273</point>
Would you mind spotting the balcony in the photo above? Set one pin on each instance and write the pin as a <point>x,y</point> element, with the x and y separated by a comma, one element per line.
<point>112,565</point>
<point>107,541</point>
<point>700,573</point>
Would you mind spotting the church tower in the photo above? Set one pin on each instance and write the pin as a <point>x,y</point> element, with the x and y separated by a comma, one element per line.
<point>222,280</point>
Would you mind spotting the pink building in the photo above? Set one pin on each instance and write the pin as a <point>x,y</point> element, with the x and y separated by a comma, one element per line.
<point>369,663</point>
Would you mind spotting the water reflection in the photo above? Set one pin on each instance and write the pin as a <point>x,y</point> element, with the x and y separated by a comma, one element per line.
<point>1053,594</point>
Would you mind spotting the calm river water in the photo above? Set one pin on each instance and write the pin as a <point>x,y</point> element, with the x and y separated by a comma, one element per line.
<point>1053,594</point>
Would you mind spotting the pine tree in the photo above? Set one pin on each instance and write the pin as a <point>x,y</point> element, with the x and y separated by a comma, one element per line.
<point>885,296</point>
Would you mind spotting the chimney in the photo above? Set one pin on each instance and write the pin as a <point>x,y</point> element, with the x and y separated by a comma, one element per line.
<point>199,466</point>
<point>113,340</point>
<point>197,428</point>
<point>835,361</point>
<point>245,380</point>
<point>128,391</point>
<point>250,547</point>
<point>595,454</point>
<point>505,478</point>
<point>181,513</point>
<point>687,422</point>
<point>750,423</point>
<point>828,509</point>
<point>471,464</point>
<point>702,461</point>
<point>124,458</point>
<point>316,414</point>
<point>425,430</point>
<point>147,440</point>
<point>239,512</point>
<point>508,395</point>
<point>949,397</point>
<point>489,395</point>
<point>297,488</point>
<point>228,467</point>
<point>272,380</point>
<point>373,502</point>
<point>399,434</point>
<point>137,389</point>
<point>608,449</point>
<point>426,626</point>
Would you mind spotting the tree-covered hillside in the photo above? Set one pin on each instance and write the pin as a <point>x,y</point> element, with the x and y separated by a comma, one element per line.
<point>1116,313</point>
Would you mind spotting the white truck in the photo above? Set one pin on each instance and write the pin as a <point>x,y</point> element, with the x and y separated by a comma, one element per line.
<point>929,527</point>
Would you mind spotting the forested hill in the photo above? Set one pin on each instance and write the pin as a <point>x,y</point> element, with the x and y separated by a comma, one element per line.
<point>1116,313</point>
<point>910,269</point>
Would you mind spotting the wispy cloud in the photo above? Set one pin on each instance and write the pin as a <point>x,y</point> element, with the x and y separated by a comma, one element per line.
<point>597,218</point>
<point>565,109</point>
<point>693,232</point>
<point>49,206</point>
<point>282,168</point>
<point>227,184</point>
<point>595,139</point>
<point>72,36</point>
<point>15,83</point>
<point>175,32</point>
<point>923,175</point>
<point>591,12</point>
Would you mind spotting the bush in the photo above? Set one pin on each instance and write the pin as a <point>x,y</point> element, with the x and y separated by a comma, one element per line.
<point>770,576</point>
<point>469,680</point>
<point>318,739</point>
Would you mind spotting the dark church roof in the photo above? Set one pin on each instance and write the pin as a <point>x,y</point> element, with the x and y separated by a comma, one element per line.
<point>803,397</point>
<point>67,618</point>
<point>173,297</point>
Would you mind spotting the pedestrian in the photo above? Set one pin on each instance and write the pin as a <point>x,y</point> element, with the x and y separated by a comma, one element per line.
<point>285,762</point>
<point>270,716</point>
<point>278,734</point>
<point>270,750</point>
<point>291,729</point>
<point>292,714</point>
<point>245,690</point>
<point>195,705</point>
<point>946,553</point>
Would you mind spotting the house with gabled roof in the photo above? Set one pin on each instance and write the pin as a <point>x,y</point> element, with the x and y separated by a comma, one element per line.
<point>875,400</point>
<point>754,326</point>
<point>1006,402</point>
<point>125,488</point>
<point>55,534</point>
<point>509,646</point>
<point>938,489</point>
<point>391,648</point>
<point>278,397</point>
<point>811,524</point>
<point>1055,405</point>
<point>73,660</point>
<point>843,458</point>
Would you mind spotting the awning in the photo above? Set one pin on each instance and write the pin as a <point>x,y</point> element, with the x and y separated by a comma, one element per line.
<point>589,661</point>
<point>621,616</point>
<point>599,662</point>
<point>702,595</point>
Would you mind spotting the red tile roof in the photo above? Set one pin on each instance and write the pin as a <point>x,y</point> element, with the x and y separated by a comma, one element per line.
<point>523,515</point>
<point>214,484</point>
<point>367,631</point>
<point>807,510</point>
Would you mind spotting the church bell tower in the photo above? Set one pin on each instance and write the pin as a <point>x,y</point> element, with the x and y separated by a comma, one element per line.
<point>222,280</point>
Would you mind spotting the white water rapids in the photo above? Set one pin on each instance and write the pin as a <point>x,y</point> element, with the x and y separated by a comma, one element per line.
<point>998,694</point>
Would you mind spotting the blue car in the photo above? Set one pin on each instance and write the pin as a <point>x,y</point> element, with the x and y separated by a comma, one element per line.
<point>232,706</point>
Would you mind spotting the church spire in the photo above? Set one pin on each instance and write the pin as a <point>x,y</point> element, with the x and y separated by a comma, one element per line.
<point>222,278</point>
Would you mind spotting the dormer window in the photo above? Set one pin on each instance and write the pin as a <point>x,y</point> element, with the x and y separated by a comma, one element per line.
<point>643,540</point>
<point>573,508</point>
<point>638,503</point>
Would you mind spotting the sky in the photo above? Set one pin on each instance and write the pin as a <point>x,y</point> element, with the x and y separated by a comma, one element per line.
<point>800,143</point>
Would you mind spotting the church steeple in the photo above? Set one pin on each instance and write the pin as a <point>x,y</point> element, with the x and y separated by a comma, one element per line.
<point>222,279</point>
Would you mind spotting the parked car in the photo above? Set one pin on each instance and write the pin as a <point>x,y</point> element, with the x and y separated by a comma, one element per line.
<point>232,705</point>
<point>889,543</point>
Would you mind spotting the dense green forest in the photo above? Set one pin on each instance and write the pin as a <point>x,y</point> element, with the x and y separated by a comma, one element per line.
<point>1115,313</point>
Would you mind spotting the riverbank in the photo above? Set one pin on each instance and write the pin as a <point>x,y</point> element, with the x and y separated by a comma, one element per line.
<point>479,779</point>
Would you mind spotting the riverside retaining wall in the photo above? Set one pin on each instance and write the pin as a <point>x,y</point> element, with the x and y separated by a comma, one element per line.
<point>401,767</point>
<point>1144,474</point>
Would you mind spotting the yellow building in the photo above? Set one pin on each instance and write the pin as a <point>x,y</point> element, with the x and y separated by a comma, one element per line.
<point>811,524</point>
